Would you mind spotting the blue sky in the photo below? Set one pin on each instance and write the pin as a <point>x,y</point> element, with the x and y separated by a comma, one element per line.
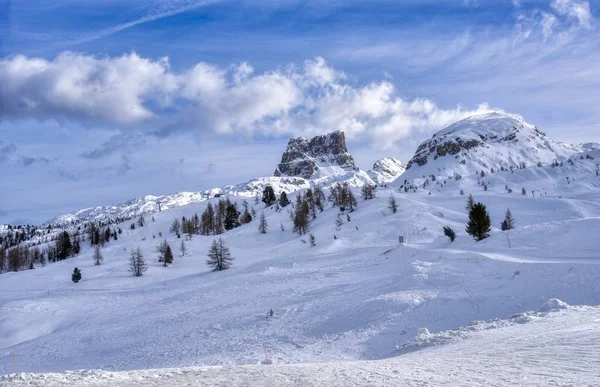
<point>101,101</point>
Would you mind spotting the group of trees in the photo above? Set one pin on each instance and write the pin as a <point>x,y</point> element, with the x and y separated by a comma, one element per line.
<point>479,224</point>
<point>215,220</point>
<point>342,196</point>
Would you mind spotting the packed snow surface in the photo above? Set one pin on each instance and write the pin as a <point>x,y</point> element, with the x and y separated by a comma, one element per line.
<point>557,347</point>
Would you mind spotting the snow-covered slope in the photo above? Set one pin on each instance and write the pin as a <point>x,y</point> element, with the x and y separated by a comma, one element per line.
<point>556,347</point>
<point>485,142</point>
<point>356,295</point>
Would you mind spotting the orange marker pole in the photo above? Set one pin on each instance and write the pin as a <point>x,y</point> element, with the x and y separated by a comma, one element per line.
<point>266,356</point>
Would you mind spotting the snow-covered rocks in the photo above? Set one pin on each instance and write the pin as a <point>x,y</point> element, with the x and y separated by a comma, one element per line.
<point>485,142</point>
<point>553,304</point>
<point>386,170</point>
<point>304,158</point>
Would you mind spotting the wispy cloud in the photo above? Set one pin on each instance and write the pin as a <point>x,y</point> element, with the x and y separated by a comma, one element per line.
<point>156,11</point>
<point>574,9</point>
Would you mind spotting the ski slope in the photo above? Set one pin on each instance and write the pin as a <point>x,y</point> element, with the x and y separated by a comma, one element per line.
<point>557,346</point>
<point>358,295</point>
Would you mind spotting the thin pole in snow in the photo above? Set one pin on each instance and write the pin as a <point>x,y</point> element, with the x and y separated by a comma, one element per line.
<point>508,239</point>
<point>266,356</point>
<point>13,363</point>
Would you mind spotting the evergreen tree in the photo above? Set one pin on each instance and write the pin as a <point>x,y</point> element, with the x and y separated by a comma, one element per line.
<point>137,263</point>
<point>141,220</point>
<point>97,256</point>
<point>508,223</point>
<point>268,196</point>
<point>168,256</point>
<point>479,224</point>
<point>450,233</point>
<point>392,205</point>
<point>231,217</point>
<point>301,215</point>
<point>63,246</point>
<point>523,191</point>
<point>219,256</point>
<point>76,276</point>
<point>262,224</point>
<point>161,248</point>
<point>283,200</point>
<point>470,203</point>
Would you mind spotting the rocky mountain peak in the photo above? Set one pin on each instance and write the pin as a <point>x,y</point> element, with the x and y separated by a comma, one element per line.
<point>482,143</point>
<point>305,158</point>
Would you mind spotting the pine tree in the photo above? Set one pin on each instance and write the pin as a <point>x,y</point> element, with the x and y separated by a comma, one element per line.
<point>183,248</point>
<point>479,224</point>
<point>168,256</point>
<point>450,233</point>
<point>470,203</point>
<point>523,191</point>
<point>76,276</point>
<point>392,205</point>
<point>262,224</point>
<point>268,196</point>
<point>219,256</point>
<point>141,221</point>
<point>313,242</point>
<point>508,223</point>
<point>63,246</point>
<point>283,200</point>
<point>301,215</point>
<point>137,264</point>
<point>97,256</point>
<point>232,216</point>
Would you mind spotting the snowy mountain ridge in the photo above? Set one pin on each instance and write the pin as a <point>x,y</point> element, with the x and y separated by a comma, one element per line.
<point>323,161</point>
<point>486,142</point>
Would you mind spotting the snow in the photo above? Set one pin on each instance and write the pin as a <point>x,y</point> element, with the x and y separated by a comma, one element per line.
<point>553,348</point>
<point>357,309</point>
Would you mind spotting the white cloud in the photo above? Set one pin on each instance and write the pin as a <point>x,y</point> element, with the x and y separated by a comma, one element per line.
<point>574,9</point>
<point>83,87</point>
<point>136,92</point>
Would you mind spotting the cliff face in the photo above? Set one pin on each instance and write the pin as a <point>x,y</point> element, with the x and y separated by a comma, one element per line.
<point>303,157</point>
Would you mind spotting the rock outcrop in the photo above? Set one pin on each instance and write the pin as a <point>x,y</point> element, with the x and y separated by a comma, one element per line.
<point>304,157</point>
